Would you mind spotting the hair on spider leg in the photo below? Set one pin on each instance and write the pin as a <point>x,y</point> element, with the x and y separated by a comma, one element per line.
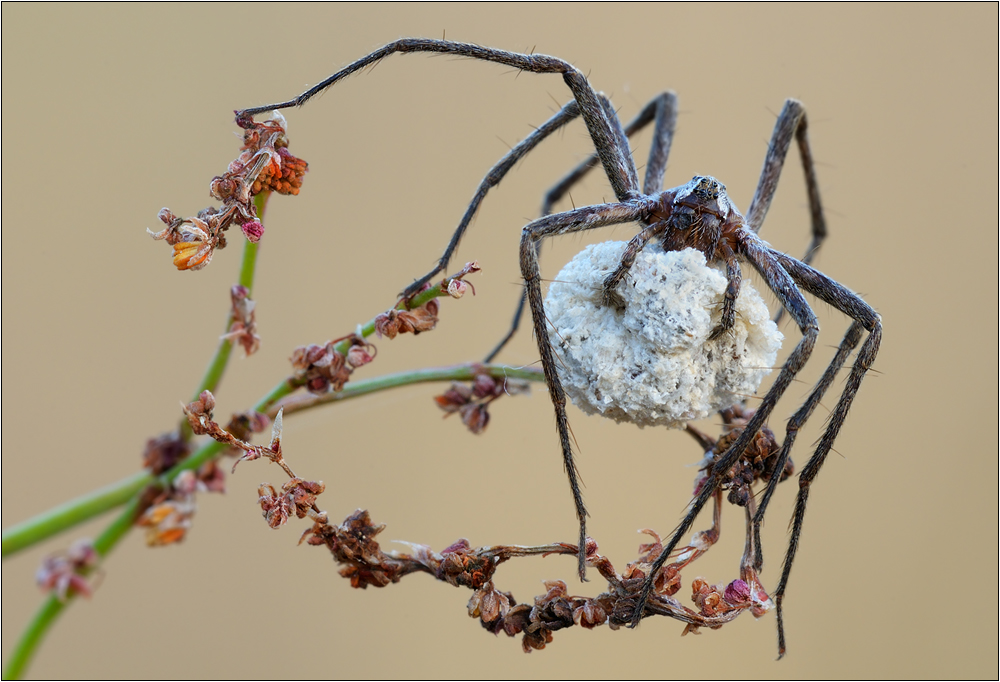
<point>699,217</point>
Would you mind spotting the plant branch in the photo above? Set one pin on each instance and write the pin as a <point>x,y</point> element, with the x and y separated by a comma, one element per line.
<point>355,389</point>
<point>217,366</point>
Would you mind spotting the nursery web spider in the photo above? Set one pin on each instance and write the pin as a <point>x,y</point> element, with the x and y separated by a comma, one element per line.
<point>696,215</point>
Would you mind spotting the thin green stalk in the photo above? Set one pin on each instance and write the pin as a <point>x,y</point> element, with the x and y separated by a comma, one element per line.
<point>53,607</point>
<point>73,512</point>
<point>83,508</point>
<point>217,366</point>
<point>362,387</point>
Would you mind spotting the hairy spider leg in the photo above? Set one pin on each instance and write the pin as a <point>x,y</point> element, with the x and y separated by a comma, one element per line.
<point>662,108</point>
<point>616,161</point>
<point>792,122</point>
<point>798,420</point>
<point>569,112</point>
<point>585,218</point>
<point>849,303</point>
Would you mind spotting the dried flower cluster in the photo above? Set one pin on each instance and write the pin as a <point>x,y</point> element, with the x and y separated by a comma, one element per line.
<point>243,325</point>
<point>66,574</point>
<point>353,545</point>
<point>264,164</point>
<point>325,368</point>
<point>758,461</point>
<point>472,401</point>
<point>168,513</point>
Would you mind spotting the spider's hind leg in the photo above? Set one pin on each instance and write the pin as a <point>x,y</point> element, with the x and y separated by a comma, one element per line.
<point>849,303</point>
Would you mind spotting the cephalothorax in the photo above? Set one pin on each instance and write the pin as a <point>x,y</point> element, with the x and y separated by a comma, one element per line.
<point>697,215</point>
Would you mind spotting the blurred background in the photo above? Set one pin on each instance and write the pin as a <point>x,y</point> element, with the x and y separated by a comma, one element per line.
<point>111,112</point>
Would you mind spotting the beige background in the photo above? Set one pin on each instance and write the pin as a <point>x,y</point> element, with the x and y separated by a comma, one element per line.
<point>112,112</point>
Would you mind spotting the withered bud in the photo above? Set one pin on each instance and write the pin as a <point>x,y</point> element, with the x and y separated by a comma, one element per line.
<point>199,413</point>
<point>64,574</point>
<point>274,507</point>
<point>223,187</point>
<point>484,386</point>
<point>475,416</point>
<point>454,398</point>
<point>318,385</point>
<point>590,614</point>
<point>211,478</point>
<point>186,483</point>
<point>457,288</point>
<point>253,230</point>
<point>243,424</point>
<point>207,401</point>
<point>358,356</point>
<point>163,452</point>
<point>737,593</point>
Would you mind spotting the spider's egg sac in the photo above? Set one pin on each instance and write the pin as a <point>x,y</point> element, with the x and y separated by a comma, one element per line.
<point>653,363</point>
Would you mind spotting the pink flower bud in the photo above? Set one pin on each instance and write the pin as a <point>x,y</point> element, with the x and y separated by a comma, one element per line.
<point>737,593</point>
<point>253,230</point>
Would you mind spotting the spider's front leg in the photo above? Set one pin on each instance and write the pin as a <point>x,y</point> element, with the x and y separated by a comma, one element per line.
<point>663,111</point>
<point>569,112</point>
<point>577,220</point>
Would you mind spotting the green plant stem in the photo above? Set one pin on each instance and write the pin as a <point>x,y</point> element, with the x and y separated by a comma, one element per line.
<point>356,389</point>
<point>65,516</point>
<point>53,606</point>
<point>74,512</point>
<point>217,366</point>
<point>69,514</point>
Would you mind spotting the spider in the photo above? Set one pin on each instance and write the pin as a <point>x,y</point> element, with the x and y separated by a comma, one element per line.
<point>696,215</point>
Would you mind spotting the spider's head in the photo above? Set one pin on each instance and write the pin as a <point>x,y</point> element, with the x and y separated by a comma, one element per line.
<point>700,212</point>
<point>704,193</point>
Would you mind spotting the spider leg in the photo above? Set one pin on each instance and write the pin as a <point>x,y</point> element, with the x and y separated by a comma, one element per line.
<point>798,420</point>
<point>585,218</point>
<point>663,136</point>
<point>663,108</point>
<point>632,249</point>
<point>781,283</point>
<point>791,122</point>
<point>569,112</point>
<point>849,303</point>
<point>607,141</point>
<point>734,277</point>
